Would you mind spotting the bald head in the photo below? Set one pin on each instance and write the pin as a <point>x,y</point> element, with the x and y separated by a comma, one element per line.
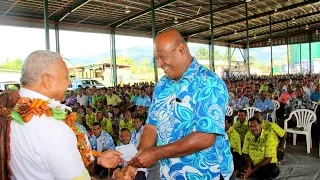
<point>172,54</point>
<point>169,38</point>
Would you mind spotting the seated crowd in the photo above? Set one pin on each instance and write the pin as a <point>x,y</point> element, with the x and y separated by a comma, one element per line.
<point>257,143</point>
<point>111,118</point>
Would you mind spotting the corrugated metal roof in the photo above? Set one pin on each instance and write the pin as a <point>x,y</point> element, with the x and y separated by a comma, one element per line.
<point>193,17</point>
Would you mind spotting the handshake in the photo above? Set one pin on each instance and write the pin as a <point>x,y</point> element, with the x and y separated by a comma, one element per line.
<point>112,159</point>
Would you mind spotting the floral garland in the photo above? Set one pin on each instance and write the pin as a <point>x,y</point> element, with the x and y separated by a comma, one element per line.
<point>26,108</point>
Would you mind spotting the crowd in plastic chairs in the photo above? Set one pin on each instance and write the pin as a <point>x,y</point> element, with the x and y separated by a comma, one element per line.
<point>284,106</point>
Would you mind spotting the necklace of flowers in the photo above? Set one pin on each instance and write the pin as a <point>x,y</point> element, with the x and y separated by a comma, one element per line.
<point>26,108</point>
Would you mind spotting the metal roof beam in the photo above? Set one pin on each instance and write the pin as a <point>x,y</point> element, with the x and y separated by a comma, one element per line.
<point>77,4</point>
<point>141,13</point>
<point>202,15</point>
<point>280,30</point>
<point>204,29</point>
<point>264,25</point>
<point>285,34</point>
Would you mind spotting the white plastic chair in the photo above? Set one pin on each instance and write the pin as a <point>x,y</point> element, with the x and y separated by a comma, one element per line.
<point>305,118</point>
<point>229,111</point>
<point>273,114</point>
<point>250,111</point>
<point>314,108</point>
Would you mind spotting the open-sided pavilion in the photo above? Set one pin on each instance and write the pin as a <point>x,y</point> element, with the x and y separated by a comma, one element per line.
<point>232,23</point>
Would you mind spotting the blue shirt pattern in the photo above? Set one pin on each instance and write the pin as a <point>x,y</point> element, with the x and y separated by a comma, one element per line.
<point>195,103</point>
<point>136,136</point>
<point>143,101</point>
<point>107,141</point>
<point>265,105</point>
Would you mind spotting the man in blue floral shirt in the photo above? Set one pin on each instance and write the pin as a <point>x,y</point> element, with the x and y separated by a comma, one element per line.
<point>186,117</point>
<point>100,140</point>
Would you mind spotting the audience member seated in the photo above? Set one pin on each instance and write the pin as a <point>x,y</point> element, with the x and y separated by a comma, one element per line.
<point>239,102</point>
<point>106,124</point>
<point>100,141</point>
<point>315,96</point>
<point>142,112</point>
<point>82,98</point>
<point>90,117</point>
<point>300,101</point>
<point>126,122</point>
<point>116,117</point>
<point>112,99</point>
<point>71,100</point>
<point>90,96</point>
<point>100,106</point>
<point>276,131</point>
<point>235,144</point>
<point>125,137</point>
<point>241,124</point>
<point>260,153</point>
<point>143,100</point>
<point>135,139</point>
<point>264,104</point>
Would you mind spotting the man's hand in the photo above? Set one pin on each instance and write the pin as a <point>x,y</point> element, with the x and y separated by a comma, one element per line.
<point>144,158</point>
<point>110,159</point>
<point>247,173</point>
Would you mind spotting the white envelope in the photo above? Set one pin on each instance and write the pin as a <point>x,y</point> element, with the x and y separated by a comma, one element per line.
<point>128,151</point>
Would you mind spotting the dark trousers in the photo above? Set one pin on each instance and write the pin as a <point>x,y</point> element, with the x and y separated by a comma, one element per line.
<point>238,161</point>
<point>140,176</point>
<point>267,172</point>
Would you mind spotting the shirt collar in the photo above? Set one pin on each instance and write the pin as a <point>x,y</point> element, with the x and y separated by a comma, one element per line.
<point>190,73</point>
<point>24,92</point>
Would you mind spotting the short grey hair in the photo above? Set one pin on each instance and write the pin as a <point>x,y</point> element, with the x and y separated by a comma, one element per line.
<point>37,64</point>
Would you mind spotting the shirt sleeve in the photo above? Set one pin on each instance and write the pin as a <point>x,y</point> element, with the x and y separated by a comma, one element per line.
<point>210,108</point>
<point>278,130</point>
<point>63,158</point>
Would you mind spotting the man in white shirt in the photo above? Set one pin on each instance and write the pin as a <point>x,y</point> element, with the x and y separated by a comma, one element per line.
<point>82,98</point>
<point>44,147</point>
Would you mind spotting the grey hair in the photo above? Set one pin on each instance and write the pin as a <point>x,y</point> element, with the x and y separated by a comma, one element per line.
<point>36,64</point>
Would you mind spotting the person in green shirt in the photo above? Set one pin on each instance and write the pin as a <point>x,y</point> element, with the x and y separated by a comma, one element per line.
<point>97,97</point>
<point>90,117</point>
<point>260,152</point>
<point>241,125</point>
<point>127,121</point>
<point>106,124</point>
<point>276,131</point>
<point>235,145</point>
<point>101,107</point>
<point>112,99</point>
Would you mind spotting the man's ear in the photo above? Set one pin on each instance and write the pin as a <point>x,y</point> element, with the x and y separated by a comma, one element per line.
<point>47,81</point>
<point>181,47</point>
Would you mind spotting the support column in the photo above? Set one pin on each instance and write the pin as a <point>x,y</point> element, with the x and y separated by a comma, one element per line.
<point>287,41</point>
<point>211,59</point>
<point>229,60</point>
<point>309,38</point>
<point>46,23</point>
<point>270,30</point>
<point>247,61</point>
<point>155,62</point>
<point>300,40</point>
<point>57,36</point>
<point>114,57</point>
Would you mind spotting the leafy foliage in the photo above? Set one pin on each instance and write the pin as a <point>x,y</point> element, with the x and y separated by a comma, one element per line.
<point>12,65</point>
